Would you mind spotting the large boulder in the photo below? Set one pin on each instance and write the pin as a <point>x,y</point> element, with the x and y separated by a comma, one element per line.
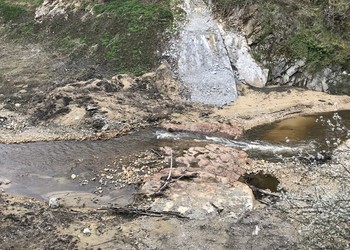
<point>202,183</point>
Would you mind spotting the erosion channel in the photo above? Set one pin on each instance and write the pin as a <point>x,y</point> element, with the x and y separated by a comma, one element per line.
<point>92,173</point>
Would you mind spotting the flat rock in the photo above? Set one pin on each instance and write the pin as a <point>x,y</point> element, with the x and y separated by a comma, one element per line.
<point>206,200</point>
<point>204,184</point>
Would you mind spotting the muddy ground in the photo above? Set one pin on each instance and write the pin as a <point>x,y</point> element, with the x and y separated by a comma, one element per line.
<point>36,107</point>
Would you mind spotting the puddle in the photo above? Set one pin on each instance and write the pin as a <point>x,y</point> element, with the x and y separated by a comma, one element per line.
<point>310,134</point>
<point>261,181</point>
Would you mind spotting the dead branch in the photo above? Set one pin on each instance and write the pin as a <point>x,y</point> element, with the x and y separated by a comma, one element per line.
<point>167,181</point>
<point>147,212</point>
<point>185,176</point>
<point>263,191</point>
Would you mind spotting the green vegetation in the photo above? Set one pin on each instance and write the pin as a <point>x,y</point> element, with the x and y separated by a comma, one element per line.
<point>319,51</point>
<point>138,15</point>
<point>315,31</point>
<point>137,31</point>
<point>124,34</point>
<point>13,10</point>
<point>9,11</point>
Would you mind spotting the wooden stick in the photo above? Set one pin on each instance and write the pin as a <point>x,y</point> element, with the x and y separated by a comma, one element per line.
<point>167,181</point>
<point>147,212</point>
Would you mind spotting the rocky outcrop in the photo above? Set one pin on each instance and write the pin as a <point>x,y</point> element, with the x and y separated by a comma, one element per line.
<point>245,66</point>
<point>204,183</point>
<point>52,8</point>
<point>289,45</point>
<point>293,73</point>
<point>203,63</point>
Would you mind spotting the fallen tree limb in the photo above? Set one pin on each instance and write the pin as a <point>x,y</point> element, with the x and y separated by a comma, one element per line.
<point>147,212</point>
<point>167,181</point>
<point>262,191</point>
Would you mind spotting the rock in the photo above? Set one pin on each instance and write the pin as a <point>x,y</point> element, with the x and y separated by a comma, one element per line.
<point>87,231</point>
<point>73,176</point>
<point>320,81</point>
<point>239,52</point>
<point>213,188</point>
<point>124,80</point>
<point>203,64</point>
<point>294,68</point>
<point>164,82</point>
<point>232,129</point>
<point>54,203</point>
<point>5,181</point>
<point>91,107</point>
<point>206,200</point>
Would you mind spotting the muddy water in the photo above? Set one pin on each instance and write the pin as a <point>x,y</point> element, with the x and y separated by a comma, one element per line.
<point>44,169</point>
<point>311,133</point>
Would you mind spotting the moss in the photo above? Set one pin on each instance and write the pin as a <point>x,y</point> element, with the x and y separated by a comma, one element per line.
<point>134,41</point>
<point>10,12</point>
<point>315,31</point>
<point>15,9</point>
<point>125,35</point>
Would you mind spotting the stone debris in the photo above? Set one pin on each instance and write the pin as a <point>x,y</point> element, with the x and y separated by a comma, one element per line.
<point>5,181</point>
<point>204,183</point>
<point>54,203</point>
<point>87,231</point>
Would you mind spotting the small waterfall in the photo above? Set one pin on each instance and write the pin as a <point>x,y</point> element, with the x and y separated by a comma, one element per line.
<point>204,65</point>
<point>251,147</point>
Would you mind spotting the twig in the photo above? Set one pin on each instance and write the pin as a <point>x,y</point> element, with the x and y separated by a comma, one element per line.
<point>147,212</point>
<point>167,181</point>
<point>263,191</point>
<point>157,153</point>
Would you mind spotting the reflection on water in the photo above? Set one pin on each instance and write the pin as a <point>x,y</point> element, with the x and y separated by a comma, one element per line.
<point>44,168</point>
<point>325,130</point>
<point>292,129</point>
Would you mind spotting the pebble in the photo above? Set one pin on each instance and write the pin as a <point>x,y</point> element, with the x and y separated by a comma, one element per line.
<point>6,182</point>
<point>73,176</point>
<point>17,105</point>
<point>87,231</point>
<point>91,107</point>
<point>54,203</point>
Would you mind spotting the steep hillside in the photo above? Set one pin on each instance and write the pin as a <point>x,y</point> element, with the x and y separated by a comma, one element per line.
<point>107,36</point>
<point>302,43</point>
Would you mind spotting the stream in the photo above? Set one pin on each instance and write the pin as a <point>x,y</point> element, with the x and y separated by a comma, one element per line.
<point>46,169</point>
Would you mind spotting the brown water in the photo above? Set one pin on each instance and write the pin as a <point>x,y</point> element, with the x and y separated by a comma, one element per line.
<point>44,169</point>
<point>310,133</point>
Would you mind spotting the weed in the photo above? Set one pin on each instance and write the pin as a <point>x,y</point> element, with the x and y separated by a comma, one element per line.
<point>10,12</point>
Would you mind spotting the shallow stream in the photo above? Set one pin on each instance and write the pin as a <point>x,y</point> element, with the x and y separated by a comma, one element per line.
<point>46,169</point>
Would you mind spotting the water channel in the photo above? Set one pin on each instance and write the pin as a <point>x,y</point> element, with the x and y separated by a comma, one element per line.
<point>44,169</point>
